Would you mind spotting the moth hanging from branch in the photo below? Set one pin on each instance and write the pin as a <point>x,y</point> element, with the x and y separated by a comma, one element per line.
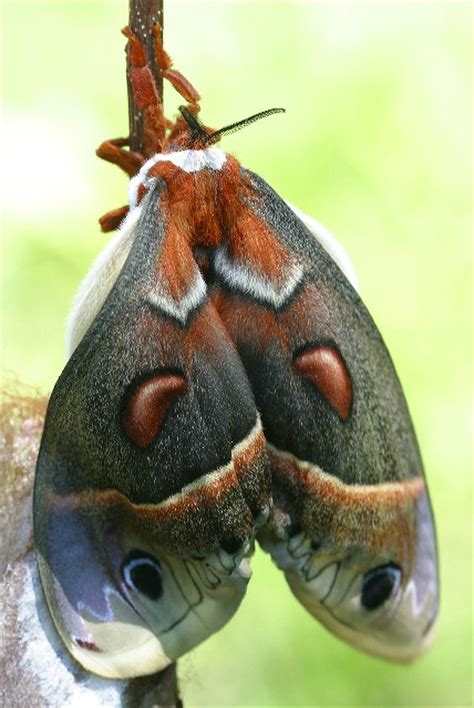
<point>225,384</point>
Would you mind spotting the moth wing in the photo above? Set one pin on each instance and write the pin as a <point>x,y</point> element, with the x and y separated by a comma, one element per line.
<point>352,525</point>
<point>152,478</point>
<point>97,284</point>
<point>333,247</point>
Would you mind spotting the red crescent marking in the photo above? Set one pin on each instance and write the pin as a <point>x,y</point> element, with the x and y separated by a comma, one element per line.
<point>146,409</point>
<point>326,370</point>
<point>90,646</point>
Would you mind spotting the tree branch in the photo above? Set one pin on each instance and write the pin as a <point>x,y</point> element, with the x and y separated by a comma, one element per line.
<point>160,689</point>
<point>143,15</point>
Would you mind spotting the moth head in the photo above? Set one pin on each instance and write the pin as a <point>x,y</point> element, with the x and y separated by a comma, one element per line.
<point>381,597</point>
<point>199,136</point>
<point>122,606</point>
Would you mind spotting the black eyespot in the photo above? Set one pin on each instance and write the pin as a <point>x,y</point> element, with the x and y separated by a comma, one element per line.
<point>379,584</point>
<point>143,573</point>
<point>232,544</point>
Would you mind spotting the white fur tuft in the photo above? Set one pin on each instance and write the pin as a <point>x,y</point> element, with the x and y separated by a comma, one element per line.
<point>188,160</point>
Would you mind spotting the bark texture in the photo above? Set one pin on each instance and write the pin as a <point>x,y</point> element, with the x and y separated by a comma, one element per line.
<point>143,15</point>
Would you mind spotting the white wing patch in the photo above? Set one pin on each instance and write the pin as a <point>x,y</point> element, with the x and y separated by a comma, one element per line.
<point>179,309</point>
<point>249,282</point>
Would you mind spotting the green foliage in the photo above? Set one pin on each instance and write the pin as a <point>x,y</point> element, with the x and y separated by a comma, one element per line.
<point>374,145</point>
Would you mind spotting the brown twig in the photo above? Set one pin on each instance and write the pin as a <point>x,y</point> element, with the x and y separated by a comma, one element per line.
<point>160,689</point>
<point>143,15</point>
<point>156,691</point>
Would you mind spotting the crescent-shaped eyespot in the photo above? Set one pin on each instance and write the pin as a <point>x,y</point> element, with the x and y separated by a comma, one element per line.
<point>147,406</point>
<point>326,370</point>
<point>142,572</point>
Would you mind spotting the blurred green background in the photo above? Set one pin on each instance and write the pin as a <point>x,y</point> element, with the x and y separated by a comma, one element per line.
<point>375,144</point>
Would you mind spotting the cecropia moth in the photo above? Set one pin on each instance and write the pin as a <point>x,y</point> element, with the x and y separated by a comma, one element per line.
<point>225,384</point>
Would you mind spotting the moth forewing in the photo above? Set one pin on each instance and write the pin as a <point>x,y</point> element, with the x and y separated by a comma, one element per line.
<point>99,281</point>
